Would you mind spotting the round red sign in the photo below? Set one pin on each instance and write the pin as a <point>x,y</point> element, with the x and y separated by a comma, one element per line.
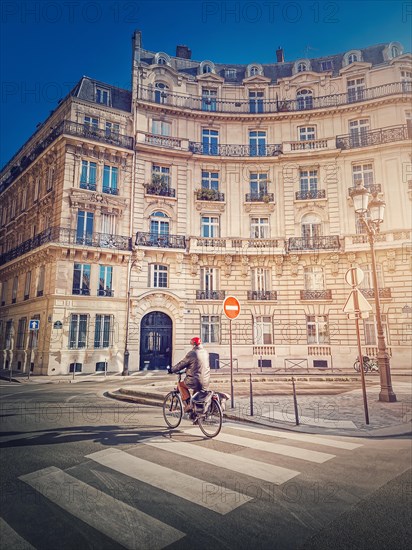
<point>231,307</point>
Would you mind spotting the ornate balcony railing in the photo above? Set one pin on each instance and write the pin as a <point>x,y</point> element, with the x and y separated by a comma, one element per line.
<point>262,295</point>
<point>70,128</point>
<point>214,242</point>
<point>376,188</point>
<point>259,197</point>
<point>210,294</point>
<point>63,236</point>
<point>110,190</point>
<point>329,242</point>
<point>374,137</point>
<point>316,295</point>
<point>234,150</point>
<point>255,243</point>
<point>310,195</point>
<point>88,186</point>
<point>163,141</point>
<point>160,241</point>
<point>309,144</point>
<point>196,103</point>
<point>105,292</point>
<point>370,292</point>
<point>159,190</point>
<point>209,195</point>
<point>81,291</point>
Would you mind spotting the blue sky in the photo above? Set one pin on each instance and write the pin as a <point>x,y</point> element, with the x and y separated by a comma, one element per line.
<point>46,46</point>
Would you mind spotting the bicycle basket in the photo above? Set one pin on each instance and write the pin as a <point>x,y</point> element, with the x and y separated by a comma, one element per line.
<point>201,401</point>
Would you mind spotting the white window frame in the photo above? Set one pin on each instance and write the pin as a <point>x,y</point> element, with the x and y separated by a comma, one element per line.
<point>356,89</point>
<point>210,141</point>
<point>103,331</point>
<point>84,271</point>
<point>161,128</point>
<point>105,280</point>
<point>308,180</point>
<point>367,282</point>
<point>209,226</point>
<point>103,96</point>
<point>257,143</point>
<point>91,122</point>
<point>21,333</point>
<point>262,330</point>
<point>371,331</point>
<point>209,97</point>
<point>88,175</point>
<point>210,329</point>
<point>159,276</point>
<point>27,285</point>
<point>41,277</point>
<point>210,180</point>
<point>358,130</point>
<point>112,174</point>
<point>317,328</point>
<point>78,330</point>
<point>363,173</point>
<point>304,99</point>
<point>259,228</point>
<point>258,182</point>
<point>209,279</point>
<point>261,279</point>
<point>314,278</point>
<point>306,133</point>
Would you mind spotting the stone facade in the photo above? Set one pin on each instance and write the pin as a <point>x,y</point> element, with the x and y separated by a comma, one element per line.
<point>229,180</point>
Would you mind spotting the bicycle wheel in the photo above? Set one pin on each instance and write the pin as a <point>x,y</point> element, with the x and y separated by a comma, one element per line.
<point>356,365</point>
<point>211,422</point>
<point>172,409</point>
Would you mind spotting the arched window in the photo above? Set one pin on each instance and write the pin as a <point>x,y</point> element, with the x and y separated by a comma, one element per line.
<point>254,69</point>
<point>206,67</point>
<point>162,59</point>
<point>352,57</point>
<point>311,227</point>
<point>301,65</point>
<point>302,68</point>
<point>161,92</point>
<point>394,51</point>
<point>304,99</point>
<point>159,226</point>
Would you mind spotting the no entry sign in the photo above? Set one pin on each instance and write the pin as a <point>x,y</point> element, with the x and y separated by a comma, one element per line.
<point>231,307</point>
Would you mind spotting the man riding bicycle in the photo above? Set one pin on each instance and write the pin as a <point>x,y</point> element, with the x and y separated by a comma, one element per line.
<point>196,363</point>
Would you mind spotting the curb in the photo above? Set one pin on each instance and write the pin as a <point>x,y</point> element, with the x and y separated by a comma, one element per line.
<point>156,399</point>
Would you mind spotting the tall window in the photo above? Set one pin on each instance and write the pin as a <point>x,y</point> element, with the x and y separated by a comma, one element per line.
<point>81,279</point>
<point>362,173</point>
<point>262,330</point>
<point>258,184</point>
<point>102,96</point>
<point>102,331</point>
<point>21,333</point>
<point>110,174</point>
<point>308,182</point>
<point>259,228</point>
<point>301,68</point>
<point>208,279</point>
<point>359,223</point>
<point>27,284</point>
<point>108,223</point>
<point>358,130</point>
<point>368,276</point>
<point>3,293</point>
<point>105,281</point>
<point>317,329</point>
<point>40,280</point>
<point>15,289</point>
<point>209,99</point>
<point>352,58</point>
<point>307,133</point>
<point>260,279</point>
<point>161,175</point>
<point>161,128</point>
<point>257,143</point>
<point>84,231</point>
<point>314,278</point>
<point>304,99</point>
<point>159,227</point>
<point>161,92</point>
<point>36,189</point>
<point>91,123</point>
<point>9,334</point>
<point>112,129</point>
<point>158,276</point>
<point>210,141</point>
<point>209,226</point>
<point>78,331</point>
<point>356,89</point>
<point>50,178</point>
<point>406,79</point>
<point>256,101</point>
<point>88,175</point>
<point>24,199</point>
<point>210,180</point>
<point>210,325</point>
<point>311,230</point>
<point>371,331</point>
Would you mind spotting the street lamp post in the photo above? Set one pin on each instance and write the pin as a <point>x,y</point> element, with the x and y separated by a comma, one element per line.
<point>126,340</point>
<point>363,203</point>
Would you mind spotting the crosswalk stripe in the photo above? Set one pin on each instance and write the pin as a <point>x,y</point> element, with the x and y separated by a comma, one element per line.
<point>114,518</point>
<point>182,485</point>
<point>277,448</point>
<point>246,466</point>
<point>309,438</point>
<point>10,539</point>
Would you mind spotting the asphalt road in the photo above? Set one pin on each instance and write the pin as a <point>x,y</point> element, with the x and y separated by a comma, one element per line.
<point>80,471</point>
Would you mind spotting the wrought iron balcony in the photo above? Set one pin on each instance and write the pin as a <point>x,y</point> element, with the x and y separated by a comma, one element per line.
<point>234,150</point>
<point>310,195</point>
<point>376,188</point>
<point>160,241</point>
<point>63,236</point>
<point>370,292</point>
<point>110,190</point>
<point>262,295</point>
<point>330,242</point>
<point>373,137</point>
<point>209,195</point>
<point>88,186</point>
<point>210,294</point>
<point>159,190</point>
<point>239,106</point>
<point>81,291</point>
<point>316,295</point>
<point>259,197</point>
<point>255,243</point>
<point>67,127</point>
<point>105,292</point>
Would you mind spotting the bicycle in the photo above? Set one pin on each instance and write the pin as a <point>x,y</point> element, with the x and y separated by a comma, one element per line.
<point>206,413</point>
<point>369,364</point>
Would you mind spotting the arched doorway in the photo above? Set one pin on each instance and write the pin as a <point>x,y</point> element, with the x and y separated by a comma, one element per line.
<point>155,341</point>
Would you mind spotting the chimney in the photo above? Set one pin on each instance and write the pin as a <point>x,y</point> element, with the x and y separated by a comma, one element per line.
<point>279,55</point>
<point>184,52</point>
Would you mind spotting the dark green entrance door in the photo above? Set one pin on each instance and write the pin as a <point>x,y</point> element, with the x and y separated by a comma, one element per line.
<point>155,341</point>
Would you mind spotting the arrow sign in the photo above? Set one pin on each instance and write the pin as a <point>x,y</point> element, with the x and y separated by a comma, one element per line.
<point>34,324</point>
<point>363,304</point>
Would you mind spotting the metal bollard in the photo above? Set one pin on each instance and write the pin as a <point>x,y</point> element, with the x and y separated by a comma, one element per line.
<point>251,395</point>
<point>295,403</point>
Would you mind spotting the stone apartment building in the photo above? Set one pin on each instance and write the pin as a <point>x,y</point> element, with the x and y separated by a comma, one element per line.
<point>128,217</point>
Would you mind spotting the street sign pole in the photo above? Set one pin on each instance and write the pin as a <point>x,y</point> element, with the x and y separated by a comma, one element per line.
<point>231,308</point>
<point>357,315</point>
<point>232,398</point>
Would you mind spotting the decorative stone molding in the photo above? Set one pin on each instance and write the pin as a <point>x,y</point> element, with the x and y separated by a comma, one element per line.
<point>228,265</point>
<point>334,258</point>
<point>294,264</point>
<point>245,266</point>
<point>161,301</point>
<point>279,265</point>
<point>194,261</point>
<point>179,263</point>
<point>352,259</point>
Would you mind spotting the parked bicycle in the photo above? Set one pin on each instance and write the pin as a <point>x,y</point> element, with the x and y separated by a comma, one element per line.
<point>369,364</point>
<point>206,410</point>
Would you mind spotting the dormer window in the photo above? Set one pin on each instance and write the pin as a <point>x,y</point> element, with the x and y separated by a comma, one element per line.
<point>162,59</point>
<point>352,57</point>
<point>206,67</point>
<point>230,74</point>
<point>253,70</point>
<point>392,50</point>
<point>301,65</point>
<point>301,68</point>
<point>103,96</point>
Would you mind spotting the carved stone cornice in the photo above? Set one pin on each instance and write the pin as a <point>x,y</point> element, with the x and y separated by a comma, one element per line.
<point>96,201</point>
